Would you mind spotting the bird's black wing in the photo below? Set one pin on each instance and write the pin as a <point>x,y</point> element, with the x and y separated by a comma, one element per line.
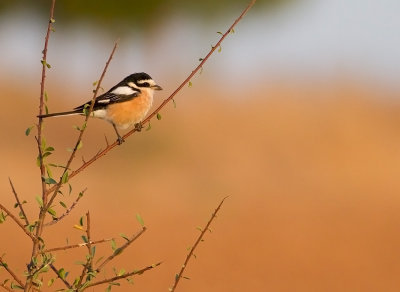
<point>106,99</point>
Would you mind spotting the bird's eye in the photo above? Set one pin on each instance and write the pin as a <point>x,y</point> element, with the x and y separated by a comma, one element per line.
<point>145,84</point>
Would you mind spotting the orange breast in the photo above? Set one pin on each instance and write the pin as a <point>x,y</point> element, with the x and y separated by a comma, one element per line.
<point>128,113</point>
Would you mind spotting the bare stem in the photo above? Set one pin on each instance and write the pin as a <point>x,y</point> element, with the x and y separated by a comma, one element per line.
<point>3,264</point>
<point>56,220</point>
<point>57,187</point>
<point>119,250</point>
<point>19,203</point>
<point>116,278</point>
<point>204,60</point>
<point>199,239</point>
<point>17,221</point>
<point>76,245</point>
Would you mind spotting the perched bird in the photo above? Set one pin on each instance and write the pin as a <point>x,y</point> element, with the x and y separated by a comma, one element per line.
<point>124,105</point>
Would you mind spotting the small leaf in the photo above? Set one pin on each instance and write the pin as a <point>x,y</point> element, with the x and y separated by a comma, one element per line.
<point>158,116</point>
<point>232,30</point>
<point>173,101</point>
<point>49,149</point>
<point>46,97</point>
<point>118,251</point>
<point>78,227</point>
<point>70,189</point>
<point>219,49</point>
<point>190,84</point>
<point>39,200</point>
<point>148,127</point>
<point>81,221</point>
<point>15,286</point>
<point>50,282</point>
<point>2,217</point>
<point>220,33</point>
<point>124,236</point>
<point>113,245</point>
<point>121,272</point>
<point>201,59</point>
<point>52,20</point>
<point>139,219</point>
<point>52,212</point>
<point>63,204</point>
<point>46,109</point>
<point>80,145</point>
<point>64,178</point>
<point>84,238</point>
<point>28,131</point>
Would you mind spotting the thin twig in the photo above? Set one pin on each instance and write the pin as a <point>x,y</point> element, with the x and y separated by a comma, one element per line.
<point>19,203</point>
<point>76,245</point>
<point>56,220</point>
<point>88,266</point>
<point>191,252</point>
<point>42,212</point>
<point>17,221</point>
<point>5,287</point>
<point>71,158</point>
<point>116,278</point>
<point>58,276</point>
<point>5,266</point>
<point>119,250</point>
<point>113,145</point>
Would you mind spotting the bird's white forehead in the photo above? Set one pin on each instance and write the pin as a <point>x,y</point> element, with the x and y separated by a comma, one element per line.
<point>149,81</point>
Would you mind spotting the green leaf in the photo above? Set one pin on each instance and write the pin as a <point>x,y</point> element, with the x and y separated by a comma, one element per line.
<point>158,116</point>
<point>50,282</point>
<point>15,286</point>
<point>80,145</point>
<point>93,251</point>
<point>124,236</point>
<point>190,84</point>
<point>39,200</point>
<point>2,217</point>
<point>46,109</point>
<point>52,212</point>
<point>220,33</point>
<point>139,219</point>
<point>121,272</point>
<point>113,245</point>
<point>49,180</point>
<point>61,273</point>
<point>84,238</point>
<point>70,190</point>
<point>118,251</point>
<point>81,221</point>
<point>28,131</point>
<point>46,97</point>
<point>219,49</point>
<point>148,127</point>
<point>201,59</point>
<point>49,149</point>
<point>64,178</point>
<point>63,204</point>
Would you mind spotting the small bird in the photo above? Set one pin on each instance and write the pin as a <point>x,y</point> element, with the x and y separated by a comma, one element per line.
<point>124,105</point>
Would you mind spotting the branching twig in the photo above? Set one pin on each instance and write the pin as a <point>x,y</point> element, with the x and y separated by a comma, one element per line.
<point>56,220</point>
<point>119,250</point>
<point>17,221</point>
<point>5,287</point>
<point>199,239</point>
<point>55,270</point>
<point>19,203</point>
<point>88,266</point>
<point>116,278</point>
<point>5,266</point>
<point>76,245</point>
<point>204,60</point>
<point>78,142</point>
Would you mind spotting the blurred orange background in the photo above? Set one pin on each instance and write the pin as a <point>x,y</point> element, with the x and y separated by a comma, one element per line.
<point>310,167</point>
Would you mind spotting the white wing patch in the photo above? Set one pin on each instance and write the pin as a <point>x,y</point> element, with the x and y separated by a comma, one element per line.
<point>100,113</point>
<point>123,90</point>
<point>103,101</point>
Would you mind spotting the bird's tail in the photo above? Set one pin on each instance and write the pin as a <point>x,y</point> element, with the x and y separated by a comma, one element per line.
<point>70,113</point>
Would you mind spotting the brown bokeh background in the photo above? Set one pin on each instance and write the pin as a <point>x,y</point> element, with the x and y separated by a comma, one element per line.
<point>311,172</point>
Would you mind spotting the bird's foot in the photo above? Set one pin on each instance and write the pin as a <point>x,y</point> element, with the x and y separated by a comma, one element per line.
<point>138,126</point>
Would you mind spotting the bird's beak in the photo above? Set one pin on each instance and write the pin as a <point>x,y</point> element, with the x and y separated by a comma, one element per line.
<point>156,87</point>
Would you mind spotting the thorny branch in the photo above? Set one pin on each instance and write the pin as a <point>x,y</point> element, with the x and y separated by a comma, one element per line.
<point>76,245</point>
<point>5,266</point>
<point>17,221</point>
<point>203,61</point>
<point>116,278</point>
<point>199,239</point>
<point>119,250</point>
<point>19,203</point>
